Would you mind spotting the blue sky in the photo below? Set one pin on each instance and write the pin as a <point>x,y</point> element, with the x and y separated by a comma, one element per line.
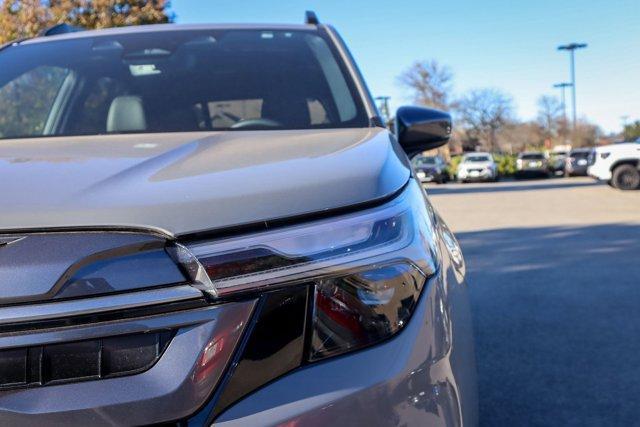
<point>510,45</point>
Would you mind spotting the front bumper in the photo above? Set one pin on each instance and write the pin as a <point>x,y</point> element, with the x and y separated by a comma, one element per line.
<point>533,171</point>
<point>428,175</point>
<point>476,175</point>
<point>173,388</point>
<point>417,378</point>
<point>600,172</point>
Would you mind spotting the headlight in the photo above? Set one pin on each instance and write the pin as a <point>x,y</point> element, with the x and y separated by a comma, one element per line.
<point>364,271</point>
<point>421,174</point>
<point>323,288</point>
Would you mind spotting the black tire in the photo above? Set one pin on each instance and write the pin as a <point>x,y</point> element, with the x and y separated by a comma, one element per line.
<point>626,177</point>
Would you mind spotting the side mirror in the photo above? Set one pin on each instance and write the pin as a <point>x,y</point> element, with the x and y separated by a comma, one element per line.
<point>419,129</point>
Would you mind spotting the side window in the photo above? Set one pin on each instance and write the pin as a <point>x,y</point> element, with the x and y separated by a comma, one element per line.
<point>335,78</point>
<point>25,102</point>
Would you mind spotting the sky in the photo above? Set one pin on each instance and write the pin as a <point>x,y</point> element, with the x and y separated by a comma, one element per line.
<point>509,45</point>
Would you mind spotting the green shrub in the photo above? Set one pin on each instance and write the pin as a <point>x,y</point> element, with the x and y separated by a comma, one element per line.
<point>506,164</point>
<point>452,166</point>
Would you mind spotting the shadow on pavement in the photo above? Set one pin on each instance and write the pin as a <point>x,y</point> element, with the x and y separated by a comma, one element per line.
<point>557,321</point>
<point>523,186</point>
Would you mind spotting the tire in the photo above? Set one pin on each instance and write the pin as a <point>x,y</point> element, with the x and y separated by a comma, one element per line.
<point>626,177</point>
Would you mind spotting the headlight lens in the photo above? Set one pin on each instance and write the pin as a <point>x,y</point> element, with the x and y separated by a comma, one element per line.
<point>363,308</point>
<point>364,271</point>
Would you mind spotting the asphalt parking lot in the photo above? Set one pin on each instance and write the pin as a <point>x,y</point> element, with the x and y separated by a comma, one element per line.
<point>554,274</point>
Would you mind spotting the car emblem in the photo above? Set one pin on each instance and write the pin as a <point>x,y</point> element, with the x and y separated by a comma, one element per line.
<point>7,240</point>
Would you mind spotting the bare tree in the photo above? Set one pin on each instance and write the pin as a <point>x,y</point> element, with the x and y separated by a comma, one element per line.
<point>430,82</point>
<point>550,115</point>
<point>586,134</point>
<point>518,136</point>
<point>483,113</point>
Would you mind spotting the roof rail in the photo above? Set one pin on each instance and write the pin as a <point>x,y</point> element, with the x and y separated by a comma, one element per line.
<point>311,18</point>
<point>60,29</point>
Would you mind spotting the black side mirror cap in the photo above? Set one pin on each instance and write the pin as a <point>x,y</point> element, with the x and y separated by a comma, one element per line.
<point>419,129</point>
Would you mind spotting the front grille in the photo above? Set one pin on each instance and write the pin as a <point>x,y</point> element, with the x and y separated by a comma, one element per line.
<point>81,360</point>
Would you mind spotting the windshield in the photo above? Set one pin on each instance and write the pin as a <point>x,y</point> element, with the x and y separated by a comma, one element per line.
<point>171,81</point>
<point>476,159</point>
<point>532,156</point>
<point>426,161</point>
<point>580,154</point>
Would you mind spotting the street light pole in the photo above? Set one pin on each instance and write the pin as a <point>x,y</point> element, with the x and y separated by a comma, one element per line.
<point>384,106</point>
<point>562,87</point>
<point>571,47</point>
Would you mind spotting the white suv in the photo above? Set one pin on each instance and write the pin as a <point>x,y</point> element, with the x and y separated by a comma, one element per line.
<point>477,167</point>
<point>618,164</point>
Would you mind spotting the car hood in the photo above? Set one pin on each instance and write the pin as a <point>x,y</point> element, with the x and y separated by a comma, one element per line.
<point>476,165</point>
<point>624,147</point>
<point>188,182</point>
<point>426,167</point>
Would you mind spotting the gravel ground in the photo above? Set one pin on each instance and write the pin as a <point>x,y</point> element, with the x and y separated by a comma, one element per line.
<point>554,273</point>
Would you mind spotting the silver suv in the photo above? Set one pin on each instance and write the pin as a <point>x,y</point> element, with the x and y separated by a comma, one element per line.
<point>209,224</point>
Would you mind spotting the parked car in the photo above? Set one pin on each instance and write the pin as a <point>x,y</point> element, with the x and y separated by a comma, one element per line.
<point>577,162</point>
<point>189,235</point>
<point>431,169</point>
<point>618,164</point>
<point>558,162</point>
<point>532,164</point>
<point>477,167</point>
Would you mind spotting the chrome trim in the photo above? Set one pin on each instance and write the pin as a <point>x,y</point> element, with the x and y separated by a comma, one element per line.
<point>93,305</point>
<point>170,320</point>
<point>9,239</point>
<point>174,388</point>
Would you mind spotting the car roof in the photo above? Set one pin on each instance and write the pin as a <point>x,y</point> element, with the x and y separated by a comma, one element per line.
<point>169,27</point>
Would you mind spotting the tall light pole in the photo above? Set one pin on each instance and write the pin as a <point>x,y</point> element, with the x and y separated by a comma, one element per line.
<point>571,47</point>
<point>384,106</point>
<point>562,87</point>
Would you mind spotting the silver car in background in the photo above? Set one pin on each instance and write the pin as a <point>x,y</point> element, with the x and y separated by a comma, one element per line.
<point>477,167</point>
<point>189,235</point>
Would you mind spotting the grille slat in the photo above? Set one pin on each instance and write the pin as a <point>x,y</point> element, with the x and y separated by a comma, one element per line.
<point>81,360</point>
